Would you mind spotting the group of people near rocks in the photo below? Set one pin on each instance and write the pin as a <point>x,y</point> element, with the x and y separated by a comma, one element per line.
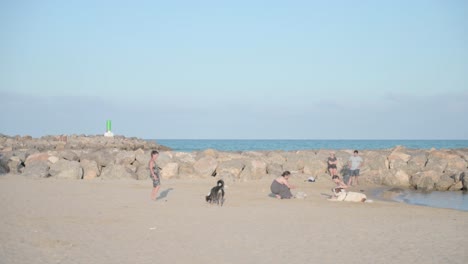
<point>281,188</point>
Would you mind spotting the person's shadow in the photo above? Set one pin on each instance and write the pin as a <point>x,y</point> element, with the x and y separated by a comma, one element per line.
<point>164,193</point>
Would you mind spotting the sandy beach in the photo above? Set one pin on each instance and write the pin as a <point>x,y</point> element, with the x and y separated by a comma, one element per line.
<point>114,221</point>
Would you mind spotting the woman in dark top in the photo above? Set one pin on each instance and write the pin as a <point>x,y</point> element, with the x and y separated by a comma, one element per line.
<point>332,161</point>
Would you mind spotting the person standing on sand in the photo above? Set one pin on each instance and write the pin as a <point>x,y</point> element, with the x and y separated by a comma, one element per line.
<point>332,161</point>
<point>155,174</point>
<point>280,186</point>
<point>354,163</point>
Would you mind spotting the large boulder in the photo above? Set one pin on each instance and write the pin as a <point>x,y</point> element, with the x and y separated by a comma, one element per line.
<point>69,155</point>
<point>315,167</point>
<point>230,169</point>
<point>65,169</point>
<point>41,156</point>
<point>397,178</point>
<point>445,181</point>
<point>186,170</point>
<point>36,169</point>
<point>142,173</point>
<point>425,180</point>
<point>170,170</point>
<point>254,169</point>
<point>205,167</point>
<point>125,157</point>
<point>103,158</point>
<point>294,162</point>
<point>116,171</point>
<point>274,169</point>
<point>90,169</point>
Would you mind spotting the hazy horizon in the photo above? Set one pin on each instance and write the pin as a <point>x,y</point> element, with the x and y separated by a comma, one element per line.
<point>235,70</point>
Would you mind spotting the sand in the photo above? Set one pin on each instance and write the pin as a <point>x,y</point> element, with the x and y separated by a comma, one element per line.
<point>64,221</point>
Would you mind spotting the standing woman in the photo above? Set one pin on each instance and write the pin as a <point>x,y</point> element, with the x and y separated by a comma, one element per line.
<point>155,174</point>
<point>332,164</point>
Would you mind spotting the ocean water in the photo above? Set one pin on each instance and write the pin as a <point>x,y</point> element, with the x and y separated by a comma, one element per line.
<point>189,145</point>
<point>453,200</point>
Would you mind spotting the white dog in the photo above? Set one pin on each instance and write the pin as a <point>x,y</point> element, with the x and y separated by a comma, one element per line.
<point>339,194</point>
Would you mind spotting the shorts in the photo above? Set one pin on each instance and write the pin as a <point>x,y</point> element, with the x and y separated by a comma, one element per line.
<point>354,172</point>
<point>157,182</point>
<point>332,166</point>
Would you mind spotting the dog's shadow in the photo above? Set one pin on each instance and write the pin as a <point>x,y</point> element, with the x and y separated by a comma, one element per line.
<point>329,196</point>
<point>164,193</point>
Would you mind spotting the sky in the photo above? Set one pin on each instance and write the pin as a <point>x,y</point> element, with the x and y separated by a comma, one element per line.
<point>235,69</point>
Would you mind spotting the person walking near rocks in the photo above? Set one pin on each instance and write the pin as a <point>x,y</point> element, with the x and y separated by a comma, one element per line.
<point>332,161</point>
<point>354,163</point>
<point>155,174</point>
<point>280,186</point>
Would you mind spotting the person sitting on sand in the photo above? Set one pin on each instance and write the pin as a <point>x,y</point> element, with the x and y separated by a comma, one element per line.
<point>339,183</point>
<point>280,186</point>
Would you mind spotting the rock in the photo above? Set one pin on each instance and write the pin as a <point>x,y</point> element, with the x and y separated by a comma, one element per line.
<point>116,171</point>
<point>416,163</point>
<point>207,153</point>
<point>53,159</point>
<point>445,181</point>
<point>275,158</point>
<point>397,178</point>
<point>103,157</point>
<point>186,170</point>
<point>315,167</point>
<point>65,169</point>
<point>170,170</point>
<point>294,163</point>
<point>69,155</point>
<point>253,170</point>
<point>36,169</point>
<point>90,169</point>
<point>274,169</point>
<point>205,167</point>
<point>426,183</point>
<point>230,169</point>
<point>142,173</point>
<point>14,164</point>
<point>4,167</point>
<point>125,157</point>
<point>42,156</point>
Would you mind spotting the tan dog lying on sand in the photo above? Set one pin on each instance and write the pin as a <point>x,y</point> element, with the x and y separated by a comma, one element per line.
<point>339,194</point>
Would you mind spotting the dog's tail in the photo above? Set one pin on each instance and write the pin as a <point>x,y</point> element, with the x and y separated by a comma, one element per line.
<point>220,183</point>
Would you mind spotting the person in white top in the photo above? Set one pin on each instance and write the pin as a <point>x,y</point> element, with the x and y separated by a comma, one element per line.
<point>354,163</point>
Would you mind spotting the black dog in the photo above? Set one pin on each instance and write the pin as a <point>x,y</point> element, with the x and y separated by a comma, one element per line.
<point>216,194</point>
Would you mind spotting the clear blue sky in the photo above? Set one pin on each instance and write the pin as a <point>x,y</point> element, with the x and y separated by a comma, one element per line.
<point>235,69</point>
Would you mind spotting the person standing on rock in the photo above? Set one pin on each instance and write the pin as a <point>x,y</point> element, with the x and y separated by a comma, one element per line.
<point>354,163</point>
<point>155,174</point>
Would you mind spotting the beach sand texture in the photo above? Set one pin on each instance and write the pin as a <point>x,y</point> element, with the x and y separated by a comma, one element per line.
<point>64,221</point>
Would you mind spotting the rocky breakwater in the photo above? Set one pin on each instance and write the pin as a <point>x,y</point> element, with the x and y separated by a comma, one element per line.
<point>82,157</point>
<point>73,156</point>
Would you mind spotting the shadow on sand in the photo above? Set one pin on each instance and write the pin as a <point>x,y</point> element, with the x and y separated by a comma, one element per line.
<point>164,193</point>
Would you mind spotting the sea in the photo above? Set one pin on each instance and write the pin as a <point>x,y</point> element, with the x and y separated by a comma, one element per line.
<point>189,145</point>
<point>451,200</point>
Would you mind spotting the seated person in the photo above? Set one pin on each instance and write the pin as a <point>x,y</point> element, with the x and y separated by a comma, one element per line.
<point>339,183</point>
<point>280,186</point>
